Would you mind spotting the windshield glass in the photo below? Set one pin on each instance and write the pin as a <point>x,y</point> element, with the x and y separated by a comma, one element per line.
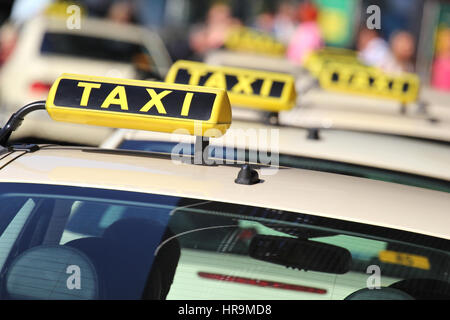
<point>300,163</point>
<point>92,47</point>
<point>60,242</point>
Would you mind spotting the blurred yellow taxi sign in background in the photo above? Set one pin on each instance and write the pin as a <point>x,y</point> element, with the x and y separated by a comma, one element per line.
<point>253,41</point>
<point>63,8</point>
<point>404,259</point>
<point>268,91</point>
<point>316,60</point>
<point>135,104</point>
<point>363,80</point>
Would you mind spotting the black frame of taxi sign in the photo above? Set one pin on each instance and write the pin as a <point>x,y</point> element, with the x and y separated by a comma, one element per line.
<point>137,104</point>
<point>262,90</point>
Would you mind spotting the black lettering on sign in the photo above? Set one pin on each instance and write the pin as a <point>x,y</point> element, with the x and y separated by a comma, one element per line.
<point>134,99</point>
<point>364,81</point>
<point>237,84</point>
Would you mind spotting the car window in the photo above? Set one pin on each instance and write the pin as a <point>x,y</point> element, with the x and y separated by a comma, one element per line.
<point>92,47</point>
<point>300,163</point>
<point>61,242</point>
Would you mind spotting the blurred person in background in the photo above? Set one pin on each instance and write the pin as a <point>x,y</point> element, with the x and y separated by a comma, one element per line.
<point>285,22</point>
<point>374,51</point>
<point>8,39</point>
<point>265,22</point>
<point>440,78</point>
<point>213,33</point>
<point>21,11</point>
<point>403,47</point>
<point>307,36</point>
<point>24,10</point>
<point>122,11</point>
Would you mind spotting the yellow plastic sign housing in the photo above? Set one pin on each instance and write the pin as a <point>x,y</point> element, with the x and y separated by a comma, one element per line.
<point>143,105</point>
<point>363,80</point>
<point>267,91</point>
<point>253,41</point>
<point>64,9</point>
<point>316,60</point>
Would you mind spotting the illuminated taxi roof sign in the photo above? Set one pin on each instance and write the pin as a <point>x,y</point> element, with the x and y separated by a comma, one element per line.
<point>268,91</point>
<point>250,40</point>
<point>135,104</point>
<point>354,79</point>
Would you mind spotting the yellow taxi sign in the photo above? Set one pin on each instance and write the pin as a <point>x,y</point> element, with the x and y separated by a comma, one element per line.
<point>136,104</point>
<point>250,40</point>
<point>358,79</point>
<point>336,52</point>
<point>64,9</point>
<point>316,60</point>
<point>268,91</point>
<point>404,259</point>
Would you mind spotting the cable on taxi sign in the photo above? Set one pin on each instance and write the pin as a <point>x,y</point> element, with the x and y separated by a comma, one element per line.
<point>267,91</point>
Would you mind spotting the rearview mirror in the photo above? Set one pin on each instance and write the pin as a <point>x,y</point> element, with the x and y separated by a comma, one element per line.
<point>301,254</point>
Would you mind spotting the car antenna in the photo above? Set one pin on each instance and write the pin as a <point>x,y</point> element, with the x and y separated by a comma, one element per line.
<point>313,134</point>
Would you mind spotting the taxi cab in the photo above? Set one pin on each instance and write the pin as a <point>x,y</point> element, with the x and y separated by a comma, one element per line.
<point>91,223</point>
<point>361,105</point>
<point>261,100</point>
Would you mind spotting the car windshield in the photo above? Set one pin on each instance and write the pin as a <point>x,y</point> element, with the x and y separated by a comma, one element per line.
<point>91,47</point>
<point>64,242</point>
<point>298,162</point>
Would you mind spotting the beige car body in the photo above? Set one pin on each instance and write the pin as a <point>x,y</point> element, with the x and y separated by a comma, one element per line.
<point>303,191</point>
<point>300,191</point>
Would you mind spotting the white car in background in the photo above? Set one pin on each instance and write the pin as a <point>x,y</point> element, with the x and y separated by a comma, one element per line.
<point>46,48</point>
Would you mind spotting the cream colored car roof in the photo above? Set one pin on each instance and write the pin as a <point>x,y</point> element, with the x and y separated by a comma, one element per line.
<point>386,152</point>
<point>304,191</point>
<point>337,110</point>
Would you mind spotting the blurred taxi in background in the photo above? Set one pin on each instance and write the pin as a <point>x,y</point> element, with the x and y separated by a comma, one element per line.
<point>45,47</point>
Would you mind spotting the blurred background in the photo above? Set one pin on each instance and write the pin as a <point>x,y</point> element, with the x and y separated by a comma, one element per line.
<point>415,32</point>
